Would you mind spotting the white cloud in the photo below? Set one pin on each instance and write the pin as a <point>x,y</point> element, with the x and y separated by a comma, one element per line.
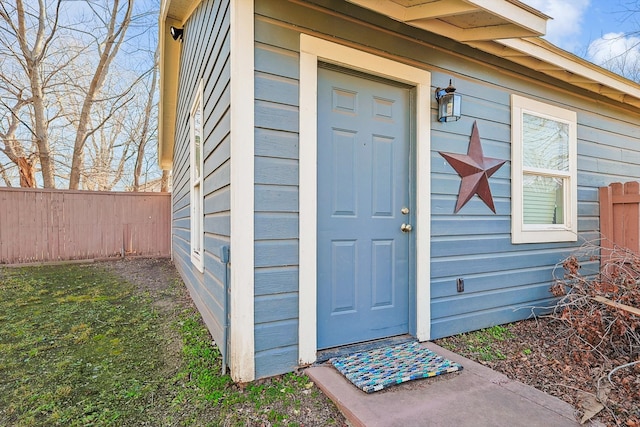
<point>565,27</point>
<point>616,52</point>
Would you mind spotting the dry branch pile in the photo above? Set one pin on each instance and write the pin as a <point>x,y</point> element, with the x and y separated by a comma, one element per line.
<point>601,314</point>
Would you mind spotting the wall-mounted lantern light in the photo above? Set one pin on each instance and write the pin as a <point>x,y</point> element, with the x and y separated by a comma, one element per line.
<point>176,33</point>
<point>448,104</point>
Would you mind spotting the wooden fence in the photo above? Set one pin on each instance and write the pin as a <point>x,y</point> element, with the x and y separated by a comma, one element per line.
<point>38,225</point>
<point>620,217</point>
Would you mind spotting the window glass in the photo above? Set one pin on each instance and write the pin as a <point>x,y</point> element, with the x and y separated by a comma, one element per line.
<point>543,200</point>
<point>197,137</point>
<point>545,143</point>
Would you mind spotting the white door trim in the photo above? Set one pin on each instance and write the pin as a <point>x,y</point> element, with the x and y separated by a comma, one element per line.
<point>311,50</point>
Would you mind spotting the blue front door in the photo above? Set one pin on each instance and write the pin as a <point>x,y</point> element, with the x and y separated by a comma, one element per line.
<point>364,133</point>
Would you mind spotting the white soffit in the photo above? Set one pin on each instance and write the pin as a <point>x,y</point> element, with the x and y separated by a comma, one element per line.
<point>464,20</point>
<point>178,9</point>
<point>570,68</point>
<point>511,30</point>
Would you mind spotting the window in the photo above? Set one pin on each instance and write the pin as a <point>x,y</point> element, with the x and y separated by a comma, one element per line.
<point>544,191</point>
<point>196,166</point>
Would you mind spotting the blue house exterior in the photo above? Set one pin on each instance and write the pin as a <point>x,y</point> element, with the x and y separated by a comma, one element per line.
<point>312,205</point>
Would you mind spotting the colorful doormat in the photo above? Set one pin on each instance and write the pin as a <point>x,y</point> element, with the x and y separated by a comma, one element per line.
<point>377,369</point>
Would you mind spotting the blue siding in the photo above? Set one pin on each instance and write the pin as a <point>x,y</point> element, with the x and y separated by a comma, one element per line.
<point>205,54</point>
<point>276,206</point>
<point>502,281</point>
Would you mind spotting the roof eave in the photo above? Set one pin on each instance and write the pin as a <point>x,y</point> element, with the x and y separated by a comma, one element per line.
<point>515,19</point>
<point>172,13</point>
<point>511,30</point>
<point>575,70</point>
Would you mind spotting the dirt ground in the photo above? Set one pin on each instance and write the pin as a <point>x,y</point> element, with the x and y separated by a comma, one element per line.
<point>158,277</point>
<point>537,352</point>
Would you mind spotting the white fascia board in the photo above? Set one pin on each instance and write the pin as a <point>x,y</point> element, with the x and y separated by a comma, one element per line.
<point>519,14</point>
<point>433,10</point>
<point>384,7</point>
<point>528,19</point>
<point>573,64</point>
<point>463,35</point>
<point>164,9</point>
<point>437,9</point>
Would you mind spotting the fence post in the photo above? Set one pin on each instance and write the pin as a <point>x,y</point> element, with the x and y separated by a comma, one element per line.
<point>631,217</point>
<point>606,224</point>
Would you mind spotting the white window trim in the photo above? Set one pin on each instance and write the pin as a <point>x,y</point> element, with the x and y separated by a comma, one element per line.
<point>196,214</point>
<point>521,233</point>
<point>311,50</point>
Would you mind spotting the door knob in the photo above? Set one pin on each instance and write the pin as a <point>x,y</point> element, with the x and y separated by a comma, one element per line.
<point>405,228</point>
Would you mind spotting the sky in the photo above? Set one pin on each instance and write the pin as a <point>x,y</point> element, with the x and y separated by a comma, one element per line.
<point>596,30</point>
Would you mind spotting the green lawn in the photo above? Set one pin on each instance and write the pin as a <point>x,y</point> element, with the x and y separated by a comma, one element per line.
<point>80,346</point>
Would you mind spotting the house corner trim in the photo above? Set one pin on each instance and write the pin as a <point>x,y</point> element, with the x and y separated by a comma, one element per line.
<point>242,348</point>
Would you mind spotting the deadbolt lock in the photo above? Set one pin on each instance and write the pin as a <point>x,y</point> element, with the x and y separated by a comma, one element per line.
<point>404,210</point>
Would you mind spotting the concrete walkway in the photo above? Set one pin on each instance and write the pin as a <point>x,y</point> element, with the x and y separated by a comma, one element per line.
<point>477,396</point>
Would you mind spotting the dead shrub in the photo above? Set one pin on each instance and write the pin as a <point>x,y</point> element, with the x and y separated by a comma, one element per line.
<point>598,305</point>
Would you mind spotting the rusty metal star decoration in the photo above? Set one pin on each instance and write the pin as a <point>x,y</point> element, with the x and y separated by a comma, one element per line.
<point>475,170</point>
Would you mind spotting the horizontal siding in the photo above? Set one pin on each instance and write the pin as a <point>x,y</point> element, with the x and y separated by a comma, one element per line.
<point>502,280</point>
<point>479,283</point>
<point>517,297</point>
<point>276,307</point>
<point>276,171</point>
<point>276,334</point>
<point>274,116</point>
<point>276,253</point>
<point>280,198</point>
<point>479,264</point>
<point>276,361</point>
<point>276,225</point>
<point>205,54</point>
<point>278,89</point>
<point>447,246</point>
<point>447,326</point>
<point>276,209</point>
<point>207,305</point>
<point>278,61</point>
<point>276,280</point>
<point>273,143</point>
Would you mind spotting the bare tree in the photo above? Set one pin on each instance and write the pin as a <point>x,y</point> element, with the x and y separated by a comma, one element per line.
<point>4,173</point>
<point>617,52</point>
<point>12,148</point>
<point>72,106</point>
<point>33,40</point>
<point>144,134</point>
<point>164,182</point>
<point>107,154</point>
<point>108,48</point>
